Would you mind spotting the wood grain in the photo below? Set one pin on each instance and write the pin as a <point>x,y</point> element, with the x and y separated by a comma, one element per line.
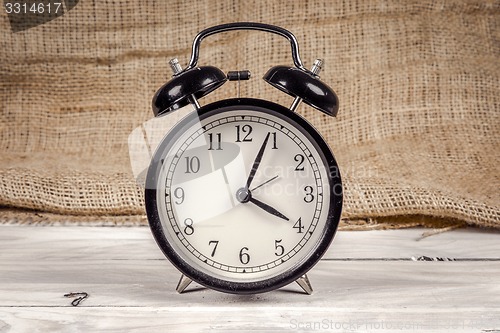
<point>367,283</point>
<point>239,319</point>
<point>42,243</point>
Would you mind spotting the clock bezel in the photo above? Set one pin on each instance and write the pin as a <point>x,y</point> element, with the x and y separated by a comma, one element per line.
<point>327,234</point>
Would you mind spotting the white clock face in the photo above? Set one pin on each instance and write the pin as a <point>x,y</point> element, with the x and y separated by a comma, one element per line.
<point>243,196</point>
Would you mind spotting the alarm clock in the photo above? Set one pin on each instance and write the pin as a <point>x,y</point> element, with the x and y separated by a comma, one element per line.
<point>243,195</point>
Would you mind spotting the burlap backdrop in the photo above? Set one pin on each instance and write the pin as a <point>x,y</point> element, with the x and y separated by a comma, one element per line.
<point>417,132</point>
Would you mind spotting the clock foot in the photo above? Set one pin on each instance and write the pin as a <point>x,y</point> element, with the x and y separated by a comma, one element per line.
<point>304,283</point>
<point>184,282</point>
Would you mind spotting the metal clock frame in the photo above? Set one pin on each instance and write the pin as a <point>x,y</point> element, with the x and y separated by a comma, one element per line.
<point>297,273</point>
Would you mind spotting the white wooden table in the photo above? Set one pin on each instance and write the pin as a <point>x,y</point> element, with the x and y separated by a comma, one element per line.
<point>369,281</point>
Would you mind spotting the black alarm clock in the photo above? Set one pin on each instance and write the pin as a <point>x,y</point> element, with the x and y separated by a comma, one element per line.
<point>243,195</point>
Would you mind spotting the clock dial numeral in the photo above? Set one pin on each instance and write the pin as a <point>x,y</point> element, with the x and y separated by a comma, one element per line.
<point>192,164</point>
<point>279,248</point>
<point>299,158</point>
<point>215,244</point>
<point>211,141</point>
<point>297,196</point>
<point>298,225</point>
<point>309,194</point>
<point>188,226</point>
<point>244,256</point>
<point>179,194</point>
<point>244,131</point>
<point>274,140</point>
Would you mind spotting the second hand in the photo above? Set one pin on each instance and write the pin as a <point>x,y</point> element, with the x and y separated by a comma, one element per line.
<point>264,183</point>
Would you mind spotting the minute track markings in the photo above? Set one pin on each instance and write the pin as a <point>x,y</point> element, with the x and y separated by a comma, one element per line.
<point>287,256</point>
<point>284,258</point>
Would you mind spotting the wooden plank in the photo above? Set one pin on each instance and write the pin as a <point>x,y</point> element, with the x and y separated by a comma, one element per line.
<point>351,284</point>
<point>130,295</point>
<point>256,319</point>
<point>46,243</point>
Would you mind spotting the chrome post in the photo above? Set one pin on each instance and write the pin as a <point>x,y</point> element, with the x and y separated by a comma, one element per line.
<point>177,68</point>
<point>316,68</point>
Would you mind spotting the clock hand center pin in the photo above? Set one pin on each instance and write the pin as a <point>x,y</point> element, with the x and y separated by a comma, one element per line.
<point>244,195</point>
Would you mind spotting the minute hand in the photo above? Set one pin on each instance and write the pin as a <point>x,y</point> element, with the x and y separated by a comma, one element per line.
<point>256,163</point>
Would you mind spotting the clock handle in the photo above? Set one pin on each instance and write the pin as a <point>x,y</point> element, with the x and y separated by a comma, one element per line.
<point>191,83</point>
<point>246,26</point>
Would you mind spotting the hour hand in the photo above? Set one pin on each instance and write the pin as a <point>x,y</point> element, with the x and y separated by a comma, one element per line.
<point>268,208</point>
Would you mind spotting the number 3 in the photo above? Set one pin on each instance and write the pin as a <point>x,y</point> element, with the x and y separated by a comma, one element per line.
<point>309,194</point>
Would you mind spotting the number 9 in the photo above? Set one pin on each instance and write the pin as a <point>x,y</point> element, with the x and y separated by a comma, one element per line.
<point>179,194</point>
